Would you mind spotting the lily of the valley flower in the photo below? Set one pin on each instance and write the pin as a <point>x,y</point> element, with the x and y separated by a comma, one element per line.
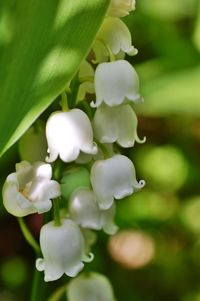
<point>116,82</point>
<point>86,75</point>
<point>121,8</point>
<point>63,250</point>
<point>114,178</point>
<point>90,287</point>
<point>84,210</point>
<point>116,124</point>
<point>30,189</point>
<point>68,133</point>
<point>116,36</point>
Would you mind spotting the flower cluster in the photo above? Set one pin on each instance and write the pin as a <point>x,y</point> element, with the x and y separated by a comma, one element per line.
<point>74,136</point>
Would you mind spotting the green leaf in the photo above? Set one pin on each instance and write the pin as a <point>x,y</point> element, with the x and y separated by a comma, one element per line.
<point>196,35</point>
<point>173,93</point>
<point>42,44</point>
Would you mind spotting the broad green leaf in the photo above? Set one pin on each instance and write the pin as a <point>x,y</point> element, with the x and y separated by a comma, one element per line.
<point>42,44</point>
<point>173,93</point>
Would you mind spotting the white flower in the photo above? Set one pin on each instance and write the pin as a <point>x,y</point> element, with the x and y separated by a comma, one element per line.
<point>68,133</point>
<point>86,75</point>
<point>90,287</point>
<point>30,189</point>
<point>63,250</point>
<point>121,8</point>
<point>116,82</point>
<point>114,178</point>
<point>84,210</point>
<point>116,124</point>
<point>115,35</point>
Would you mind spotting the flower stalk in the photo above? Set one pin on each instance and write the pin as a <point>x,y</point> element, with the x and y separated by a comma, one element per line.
<point>28,235</point>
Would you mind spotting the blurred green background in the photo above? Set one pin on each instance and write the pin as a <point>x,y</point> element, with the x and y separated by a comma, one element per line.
<point>158,258</point>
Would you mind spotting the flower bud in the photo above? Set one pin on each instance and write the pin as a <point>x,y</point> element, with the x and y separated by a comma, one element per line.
<point>33,144</point>
<point>121,8</point>
<point>73,179</point>
<point>87,86</point>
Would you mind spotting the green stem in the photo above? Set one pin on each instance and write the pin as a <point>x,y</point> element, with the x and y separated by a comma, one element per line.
<point>64,102</point>
<point>84,105</point>
<point>86,79</point>
<point>56,212</point>
<point>37,287</point>
<point>37,290</point>
<point>104,150</point>
<point>110,53</point>
<point>28,235</point>
<point>56,296</point>
<point>74,87</point>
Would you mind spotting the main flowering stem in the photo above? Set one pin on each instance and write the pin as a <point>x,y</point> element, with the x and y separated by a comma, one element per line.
<point>37,291</point>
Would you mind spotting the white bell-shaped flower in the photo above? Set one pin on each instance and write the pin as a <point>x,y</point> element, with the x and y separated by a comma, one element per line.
<point>116,82</point>
<point>92,287</point>
<point>86,76</point>
<point>114,178</point>
<point>84,210</point>
<point>121,8</point>
<point>30,189</point>
<point>116,124</point>
<point>115,35</point>
<point>68,133</point>
<point>63,250</point>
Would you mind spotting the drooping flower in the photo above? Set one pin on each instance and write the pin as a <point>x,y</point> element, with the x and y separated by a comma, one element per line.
<point>30,189</point>
<point>90,287</point>
<point>115,35</point>
<point>121,8</point>
<point>84,210</point>
<point>86,75</point>
<point>68,133</point>
<point>116,82</point>
<point>63,250</point>
<point>114,178</point>
<point>116,124</point>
